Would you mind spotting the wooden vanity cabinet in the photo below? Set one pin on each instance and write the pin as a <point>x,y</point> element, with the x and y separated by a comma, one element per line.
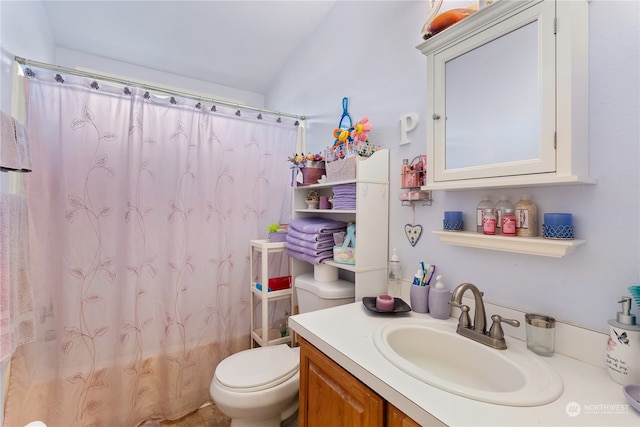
<point>331,396</point>
<point>397,418</point>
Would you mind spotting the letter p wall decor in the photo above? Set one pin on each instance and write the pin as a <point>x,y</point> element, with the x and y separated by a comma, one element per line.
<point>407,124</point>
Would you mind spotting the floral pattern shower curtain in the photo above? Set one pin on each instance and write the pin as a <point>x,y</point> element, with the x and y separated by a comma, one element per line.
<point>141,210</point>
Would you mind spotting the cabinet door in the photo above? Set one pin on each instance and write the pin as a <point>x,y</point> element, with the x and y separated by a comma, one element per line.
<point>498,120</point>
<point>330,396</point>
<point>397,418</point>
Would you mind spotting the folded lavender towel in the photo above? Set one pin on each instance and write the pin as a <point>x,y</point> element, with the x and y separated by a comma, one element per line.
<point>309,237</point>
<point>316,260</point>
<point>344,188</point>
<point>344,197</point>
<point>325,244</point>
<point>344,206</point>
<point>309,251</point>
<point>317,225</point>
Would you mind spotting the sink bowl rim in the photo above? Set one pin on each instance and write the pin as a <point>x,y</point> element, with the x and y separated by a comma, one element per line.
<point>542,382</point>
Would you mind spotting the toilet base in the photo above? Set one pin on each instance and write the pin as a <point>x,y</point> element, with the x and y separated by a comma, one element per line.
<point>291,413</point>
<point>292,420</point>
<point>288,418</point>
<point>263,422</point>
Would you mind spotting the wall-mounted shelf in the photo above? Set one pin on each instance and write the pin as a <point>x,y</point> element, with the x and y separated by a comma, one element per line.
<point>524,245</point>
<point>416,195</point>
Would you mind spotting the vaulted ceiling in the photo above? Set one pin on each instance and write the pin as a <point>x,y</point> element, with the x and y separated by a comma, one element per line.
<point>240,44</point>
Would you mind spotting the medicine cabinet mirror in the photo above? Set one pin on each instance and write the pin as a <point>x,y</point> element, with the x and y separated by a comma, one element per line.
<point>508,97</point>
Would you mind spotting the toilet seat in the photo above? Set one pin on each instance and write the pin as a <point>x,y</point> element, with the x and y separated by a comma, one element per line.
<point>258,368</point>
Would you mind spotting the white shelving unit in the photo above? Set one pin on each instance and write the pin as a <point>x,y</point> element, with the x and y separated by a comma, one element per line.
<point>371,217</point>
<point>264,335</point>
<point>560,46</point>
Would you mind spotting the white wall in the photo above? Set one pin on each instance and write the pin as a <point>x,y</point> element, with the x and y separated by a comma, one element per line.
<point>366,51</point>
<point>23,31</point>
<point>101,65</point>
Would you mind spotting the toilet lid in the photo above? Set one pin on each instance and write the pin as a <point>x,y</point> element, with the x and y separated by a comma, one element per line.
<point>258,368</point>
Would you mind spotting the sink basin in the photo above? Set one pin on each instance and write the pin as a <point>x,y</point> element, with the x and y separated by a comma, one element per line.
<point>435,354</point>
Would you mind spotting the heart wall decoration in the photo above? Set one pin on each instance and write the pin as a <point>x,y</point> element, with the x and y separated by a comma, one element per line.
<point>413,233</point>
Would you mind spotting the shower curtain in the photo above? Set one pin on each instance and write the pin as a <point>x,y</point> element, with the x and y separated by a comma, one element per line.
<point>141,209</point>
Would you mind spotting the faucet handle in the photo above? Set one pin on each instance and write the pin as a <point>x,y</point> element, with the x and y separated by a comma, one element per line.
<point>496,328</point>
<point>464,321</point>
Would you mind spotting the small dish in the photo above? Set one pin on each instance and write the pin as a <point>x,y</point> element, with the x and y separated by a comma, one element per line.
<point>632,393</point>
<point>399,306</point>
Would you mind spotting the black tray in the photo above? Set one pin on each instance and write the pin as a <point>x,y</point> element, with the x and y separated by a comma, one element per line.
<point>399,306</point>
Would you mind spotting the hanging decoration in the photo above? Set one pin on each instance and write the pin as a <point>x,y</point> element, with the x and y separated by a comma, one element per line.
<point>413,232</point>
<point>350,139</point>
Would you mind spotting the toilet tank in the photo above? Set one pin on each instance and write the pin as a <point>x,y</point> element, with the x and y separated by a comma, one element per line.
<point>315,295</point>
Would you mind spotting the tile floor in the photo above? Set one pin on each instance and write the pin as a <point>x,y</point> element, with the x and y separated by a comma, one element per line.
<point>209,416</point>
<point>206,416</point>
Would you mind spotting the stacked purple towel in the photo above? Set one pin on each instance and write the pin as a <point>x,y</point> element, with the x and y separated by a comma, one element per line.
<point>344,196</point>
<point>311,239</point>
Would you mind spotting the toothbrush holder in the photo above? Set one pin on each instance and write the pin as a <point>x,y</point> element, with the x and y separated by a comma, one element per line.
<point>419,298</point>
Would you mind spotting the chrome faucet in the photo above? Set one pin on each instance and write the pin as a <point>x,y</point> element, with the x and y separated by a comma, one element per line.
<point>478,330</point>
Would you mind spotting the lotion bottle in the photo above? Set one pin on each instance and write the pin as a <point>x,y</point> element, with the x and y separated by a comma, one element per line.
<point>623,346</point>
<point>394,282</point>
<point>439,297</point>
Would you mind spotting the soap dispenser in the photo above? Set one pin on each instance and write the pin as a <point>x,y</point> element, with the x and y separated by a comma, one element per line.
<point>439,297</point>
<point>623,346</point>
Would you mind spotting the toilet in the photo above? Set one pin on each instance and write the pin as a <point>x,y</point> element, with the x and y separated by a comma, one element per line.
<point>259,386</point>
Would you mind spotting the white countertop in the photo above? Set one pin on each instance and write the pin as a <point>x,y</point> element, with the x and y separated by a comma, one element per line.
<point>345,334</point>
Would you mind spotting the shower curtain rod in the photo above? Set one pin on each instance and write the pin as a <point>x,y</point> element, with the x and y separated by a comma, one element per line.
<point>44,65</point>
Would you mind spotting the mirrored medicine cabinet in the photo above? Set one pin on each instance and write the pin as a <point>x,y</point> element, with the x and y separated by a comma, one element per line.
<point>507,97</point>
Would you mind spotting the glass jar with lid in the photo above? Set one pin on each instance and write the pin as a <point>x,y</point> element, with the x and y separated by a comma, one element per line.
<point>489,221</point>
<point>508,222</point>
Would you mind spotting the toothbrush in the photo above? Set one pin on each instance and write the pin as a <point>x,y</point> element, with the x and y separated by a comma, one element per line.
<point>433,270</point>
<point>424,273</point>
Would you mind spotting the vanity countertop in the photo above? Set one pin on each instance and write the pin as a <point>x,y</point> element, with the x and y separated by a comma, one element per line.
<point>345,334</point>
